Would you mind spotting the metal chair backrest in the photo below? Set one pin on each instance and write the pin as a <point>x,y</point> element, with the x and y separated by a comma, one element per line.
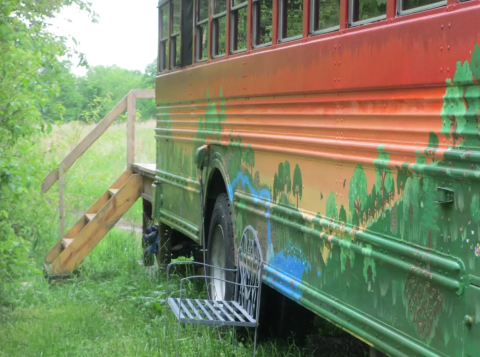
<point>249,273</point>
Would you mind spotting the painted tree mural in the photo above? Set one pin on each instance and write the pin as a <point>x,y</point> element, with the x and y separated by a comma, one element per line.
<point>282,182</point>
<point>297,182</point>
<point>357,195</point>
<point>384,180</point>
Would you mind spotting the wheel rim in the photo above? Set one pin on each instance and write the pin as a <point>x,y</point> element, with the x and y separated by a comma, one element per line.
<point>218,287</point>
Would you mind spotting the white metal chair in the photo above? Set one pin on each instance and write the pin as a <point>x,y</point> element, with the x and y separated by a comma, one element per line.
<point>244,308</point>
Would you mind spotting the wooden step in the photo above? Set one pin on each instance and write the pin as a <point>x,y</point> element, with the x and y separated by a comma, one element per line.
<point>68,259</point>
<point>97,207</point>
<point>66,242</point>
<point>112,191</point>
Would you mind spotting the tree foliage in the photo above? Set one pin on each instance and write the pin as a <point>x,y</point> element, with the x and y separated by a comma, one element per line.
<point>30,77</point>
<point>297,183</point>
<point>107,85</point>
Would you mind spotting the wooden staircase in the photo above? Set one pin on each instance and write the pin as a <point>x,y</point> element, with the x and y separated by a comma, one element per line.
<point>89,230</point>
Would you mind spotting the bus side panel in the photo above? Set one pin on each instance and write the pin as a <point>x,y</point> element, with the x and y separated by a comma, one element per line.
<point>177,196</point>
<point>357,160</point>
<point>472,320</point>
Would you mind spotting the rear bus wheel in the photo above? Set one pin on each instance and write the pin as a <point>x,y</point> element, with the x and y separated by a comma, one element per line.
<point>220,249</point>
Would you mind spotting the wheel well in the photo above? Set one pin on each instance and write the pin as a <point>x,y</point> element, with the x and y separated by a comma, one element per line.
<point>216,185</point>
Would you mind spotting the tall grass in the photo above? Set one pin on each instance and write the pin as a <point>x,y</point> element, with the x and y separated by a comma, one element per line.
<point>114,306</point>
<point>101,164</point>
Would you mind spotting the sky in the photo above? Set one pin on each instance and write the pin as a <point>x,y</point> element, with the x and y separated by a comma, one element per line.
<point>125,35</point>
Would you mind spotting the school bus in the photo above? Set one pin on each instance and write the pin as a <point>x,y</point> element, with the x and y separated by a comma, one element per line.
<point>346,132</point>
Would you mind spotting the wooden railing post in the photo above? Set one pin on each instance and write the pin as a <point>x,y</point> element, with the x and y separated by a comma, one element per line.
<point>128,103</point>
<point>61,205</point>
<point>130,129</point>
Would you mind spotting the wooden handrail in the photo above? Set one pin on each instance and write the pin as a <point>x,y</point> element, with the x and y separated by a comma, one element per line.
<point>128,102</point>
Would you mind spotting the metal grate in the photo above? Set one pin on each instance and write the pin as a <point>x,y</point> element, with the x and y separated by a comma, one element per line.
<point>211,312</point>
<point>243,311</point>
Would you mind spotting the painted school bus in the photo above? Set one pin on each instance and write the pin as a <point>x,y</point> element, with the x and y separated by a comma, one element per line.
<point>351,146</point>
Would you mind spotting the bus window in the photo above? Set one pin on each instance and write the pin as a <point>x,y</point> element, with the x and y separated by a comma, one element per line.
<point>175,38</point>
<point>367,11</point>
<point>291,20</point>
<point>219,28</point>
<point>325,16</point>
<point>202,30</point>
<point>409,6</point>
<point>239,17</point>
<point>262,22</point>
<point>164,17</point>
<point>187,33</point>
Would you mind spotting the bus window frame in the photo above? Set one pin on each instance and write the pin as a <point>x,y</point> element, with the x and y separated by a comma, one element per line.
<point>215,31</point>
<point>165,40</point>
<point>281,16</point>
<point>436,5</point>
<point>198,39</point>
<point>352,23</point>
<point>314,32</point>
<point>234,25</point>
<point>174,38</point>
<point>256,24</point>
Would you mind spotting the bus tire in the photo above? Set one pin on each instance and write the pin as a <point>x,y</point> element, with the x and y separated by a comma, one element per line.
<point>221,249</point>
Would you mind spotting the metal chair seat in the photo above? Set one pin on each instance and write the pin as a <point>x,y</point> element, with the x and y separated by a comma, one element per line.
<point>242,311</point>
<point>211,312</point>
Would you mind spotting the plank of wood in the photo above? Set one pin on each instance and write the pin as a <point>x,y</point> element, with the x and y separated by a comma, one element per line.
<point>77,227</point>
<point>147,188</point>
<point>144,93</point>
<point>99,226</point>
<point>90,216</point>
<point>130,130</point>
<point>112,191</point>
<point>97,206</point>
<point>145,169</point>
<point>54,252</point>
<point>122,179</point>
<point>61,206</point>
<point>49,180</point>
<point>86,142</point>
<point>66,242</point>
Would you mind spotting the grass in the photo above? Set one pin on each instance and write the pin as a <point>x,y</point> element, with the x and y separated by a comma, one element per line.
<point>113,307</point>
<point>100,165</point>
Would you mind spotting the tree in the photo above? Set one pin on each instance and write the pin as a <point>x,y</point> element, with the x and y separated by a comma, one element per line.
<point>357,195</point>
<point>429,215</point>
<point>30,73</point>
<point>297,182</point>
<point>384,179</point>
<point>286,179</point>
<point>282,181</point>
<point>77,94</point>
<point>332,211</point>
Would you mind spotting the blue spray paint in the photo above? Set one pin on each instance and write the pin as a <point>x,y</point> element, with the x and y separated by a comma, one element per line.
<point>263,194</point>
<point>291,261</point>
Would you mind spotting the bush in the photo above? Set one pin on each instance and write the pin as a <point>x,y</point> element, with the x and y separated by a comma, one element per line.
<point>30,73</point>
